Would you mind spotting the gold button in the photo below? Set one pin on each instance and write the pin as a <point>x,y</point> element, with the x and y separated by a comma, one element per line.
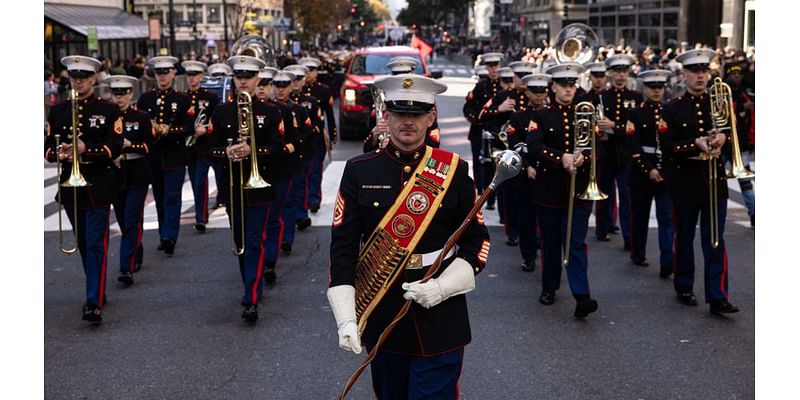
<point>699,113</point>
<point>405,182</point>
<point>407,169</point>
<point>697,105</point>
<point>375,204</point>
<point>701,129</point>
<point>566,121</point>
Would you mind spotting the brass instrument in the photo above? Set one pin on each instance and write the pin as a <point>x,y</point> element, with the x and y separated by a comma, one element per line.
<point>75,179</point>
<point>577,43</point>
<point>722,110</point>
<point>585,139</point>
<point>378,102</point>
<point>244,115</point>
<point>201,119</point>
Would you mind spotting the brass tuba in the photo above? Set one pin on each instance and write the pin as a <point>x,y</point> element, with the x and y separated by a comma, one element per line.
<point>576,43</point>
<point>585,139</point>
<point>75,179</point>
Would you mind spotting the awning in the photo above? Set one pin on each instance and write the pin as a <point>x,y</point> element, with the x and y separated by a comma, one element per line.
<point>111,23</point>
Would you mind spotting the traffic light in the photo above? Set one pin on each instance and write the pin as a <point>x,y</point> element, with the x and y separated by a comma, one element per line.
<point>354,9</point>
<point>414,26</point>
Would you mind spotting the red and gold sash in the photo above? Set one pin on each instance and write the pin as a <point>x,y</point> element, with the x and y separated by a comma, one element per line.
<point>390,246</point>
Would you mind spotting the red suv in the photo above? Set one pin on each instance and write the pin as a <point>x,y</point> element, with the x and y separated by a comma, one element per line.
<point>356,117</point>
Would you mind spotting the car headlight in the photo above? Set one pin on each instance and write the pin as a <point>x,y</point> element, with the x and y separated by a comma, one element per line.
<point>350,96</point>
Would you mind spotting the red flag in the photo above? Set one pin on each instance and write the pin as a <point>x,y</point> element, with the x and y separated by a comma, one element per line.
<point>424,48</point>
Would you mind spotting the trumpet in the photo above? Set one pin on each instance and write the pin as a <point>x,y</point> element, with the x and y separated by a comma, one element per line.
<point>584,139</point>
<point>246,133</point>
<point>725,118</point>
<point>75,179</point>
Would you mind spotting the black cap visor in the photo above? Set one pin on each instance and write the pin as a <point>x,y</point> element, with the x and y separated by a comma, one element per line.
<point>408,107</point>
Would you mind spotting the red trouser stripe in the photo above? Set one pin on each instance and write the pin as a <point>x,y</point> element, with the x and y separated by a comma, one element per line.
<point>260,269</point>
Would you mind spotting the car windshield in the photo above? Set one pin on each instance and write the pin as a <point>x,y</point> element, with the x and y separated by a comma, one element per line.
<point>375,64</point>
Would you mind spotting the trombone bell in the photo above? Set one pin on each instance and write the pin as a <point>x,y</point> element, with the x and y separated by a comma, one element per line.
<point>593,192</point>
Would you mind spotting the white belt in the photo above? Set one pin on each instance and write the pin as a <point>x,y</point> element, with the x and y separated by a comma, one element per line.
<point>417,261</point>
<point>133,156</point>
<point>650,150</point>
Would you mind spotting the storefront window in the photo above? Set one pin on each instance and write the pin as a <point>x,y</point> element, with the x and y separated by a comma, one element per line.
<point>649,20</point>
<point>671,38</point>
<point>213,15</point>
<point>627,20</point>
<point>671,20</point>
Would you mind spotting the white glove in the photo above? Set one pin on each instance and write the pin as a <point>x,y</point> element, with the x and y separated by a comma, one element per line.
<point>456,279</point>
<point>342,299</point>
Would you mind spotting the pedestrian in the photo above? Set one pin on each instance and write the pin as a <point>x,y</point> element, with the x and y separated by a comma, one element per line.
<point>689,141</point>
<point>100,128</point>
<point>132,176</point>
<point>415,196</point>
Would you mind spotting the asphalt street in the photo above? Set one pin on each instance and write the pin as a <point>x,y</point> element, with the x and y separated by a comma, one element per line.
<point>177,332</point>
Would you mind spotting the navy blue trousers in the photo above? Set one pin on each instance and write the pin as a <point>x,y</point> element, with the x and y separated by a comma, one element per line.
<point>715,261</point>
<point>641,202</point>
<point>605,208</point>
<point>251,263</point>
<point>553,222</point>
<point>315,177</point>
<point>296,207</point>
<point>198,176</point>
<point>482,173</point>
<point>275,222</point>
<point>396,376</point>
<point>129,210</point>
<point>93,246</point>
<point>522,214</point>
<point>167,191</point>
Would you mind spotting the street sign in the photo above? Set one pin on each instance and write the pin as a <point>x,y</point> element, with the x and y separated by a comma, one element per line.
<point>186,23</point>
<point>91,38</point>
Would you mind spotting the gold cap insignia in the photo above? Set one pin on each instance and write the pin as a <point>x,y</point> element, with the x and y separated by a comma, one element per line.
<point>569,67</point>
<point>242,59</point>
<point>699,53</point>
<point>407,83</point>
<point>77,59</point>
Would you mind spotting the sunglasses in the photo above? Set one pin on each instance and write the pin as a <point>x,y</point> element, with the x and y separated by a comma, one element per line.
<point>244,74</point>
<point>78,74</point>
<point>281,84</point>
<point>163,71</point>
<point>194,73</point>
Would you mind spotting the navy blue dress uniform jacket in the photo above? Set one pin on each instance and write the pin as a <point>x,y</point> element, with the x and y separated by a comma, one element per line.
<point>322,92</point>
<point>370,185</point>
<point>270,148</point>
<point>689,117</point>
<point>168,107</point>
<point>100,129</point>
<point>518,133</point>
<point>492,118</point>
<point>297,131</point>
<point>617,104</point>
<point>314,110</point>
<point>137,128</point>
<point>476,99</point>
<point>201,102</point>
<point>550,135</point>
<point>646,127</point>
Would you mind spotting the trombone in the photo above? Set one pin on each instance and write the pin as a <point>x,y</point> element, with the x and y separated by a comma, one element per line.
<point>75,179</point>
<point>584,139</point>
<point>244,104</point>
<point>725,118</point>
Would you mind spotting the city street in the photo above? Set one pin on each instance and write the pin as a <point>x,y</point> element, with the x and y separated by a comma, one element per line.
<point>177,332</point>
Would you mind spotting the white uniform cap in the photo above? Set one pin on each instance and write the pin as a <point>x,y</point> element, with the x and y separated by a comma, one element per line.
<point>197,66</point>
<point>81,63</point>
<point>267,73</point>
<point>567,70</point>
<point>481,71</point>
<point>245,63</point>
<point>620,60</point>
<point>654,76</point>
<point>310,62</point>
<point>491,58</point>
<point>400,65</point>
<point>506,72</point>
<point>692,57</point>
<point>219,68</point>
<point>163,62</point>
<point>298,70</point>
<point>522,67</point>
<point>121,81</point>
<point>596,67</point>
<point>537,80</point>
<point>283,76</point>
<point>409,93</point>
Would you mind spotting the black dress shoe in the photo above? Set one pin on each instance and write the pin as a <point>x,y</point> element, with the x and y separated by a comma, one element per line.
<point>269,274</point>
<point>490,206</point>
<point>250,313</point>
<point>303,224</point>
<point>529,266</point>
<point>665,272</point>
<point>160,245</point>
<point>687,299</point>
<point>720,307</point>
<point>642,262</point>
<point>512,242</point>
<point>92,313</point>
<point>200,228</point>
<point>547,298</point>
<point>753,222</point>
<point>614,229</point>
<point>603,237</point>
<point>169,247</point>
<point>314,207</point>
<point>286,247</point>
<point>585,307</point>
<point>126,278</point>
<point>627,245</point>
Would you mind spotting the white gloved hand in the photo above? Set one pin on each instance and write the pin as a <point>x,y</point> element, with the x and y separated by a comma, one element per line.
<point>456,279</point>
<point>342,299</point>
